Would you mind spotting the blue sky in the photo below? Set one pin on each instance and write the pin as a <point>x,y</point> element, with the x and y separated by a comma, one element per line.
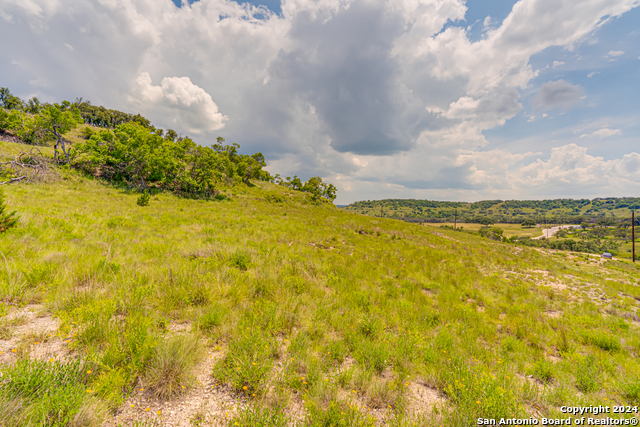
<point>435,99</point>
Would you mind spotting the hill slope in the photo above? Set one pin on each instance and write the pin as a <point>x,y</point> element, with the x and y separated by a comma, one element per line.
<point>268,308</point>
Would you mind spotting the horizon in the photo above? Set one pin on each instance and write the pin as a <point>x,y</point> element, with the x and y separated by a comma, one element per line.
<point>444,101</point>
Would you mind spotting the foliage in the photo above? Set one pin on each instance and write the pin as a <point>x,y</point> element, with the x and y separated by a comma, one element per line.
<point>144,198</point>
<point>493,233</point>
<point>135,155</point>
<point>528,223</point>
<point>7,219</point>
<point>557,211</point>
<point>318,189</point>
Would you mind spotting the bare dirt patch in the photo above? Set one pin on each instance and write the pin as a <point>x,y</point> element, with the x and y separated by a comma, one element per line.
<point>422,399</point>
<point>207,402</point>
<point>32,334</point>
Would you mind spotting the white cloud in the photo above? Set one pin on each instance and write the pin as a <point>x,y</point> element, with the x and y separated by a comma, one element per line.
<point>602,133</point>
<point>593,73</point>
<point>615,53</point>
<point>570,167</point>
<point>195,107</point>
<point>362,92</point>
<point>557,64</point>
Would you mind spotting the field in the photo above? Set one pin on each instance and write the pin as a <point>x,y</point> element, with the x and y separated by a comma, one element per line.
<point>266,309</point>
<point>510,230</point>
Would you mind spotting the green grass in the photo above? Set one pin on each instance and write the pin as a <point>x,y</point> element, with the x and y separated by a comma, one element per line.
<point>336,312</point>
<point>47,393</point>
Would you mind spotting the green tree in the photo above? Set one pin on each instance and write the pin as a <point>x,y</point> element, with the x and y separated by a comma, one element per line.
<point>58,119</point>
<point>528,223</point>
<point>319,190</point>
<point>7,219</point>
<point>9,101</point>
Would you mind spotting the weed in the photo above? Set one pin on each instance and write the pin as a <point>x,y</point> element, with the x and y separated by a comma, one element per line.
<point>543,371</point>
<point>631,391</point>
<point>248,362</point>
<point>240,260</point>
<point>211,318</point>
<point>587,374</point>
<point>476,392</point>
<point>337,414</point>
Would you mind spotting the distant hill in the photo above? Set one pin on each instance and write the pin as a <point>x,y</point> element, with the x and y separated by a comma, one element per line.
<point>569,211</point>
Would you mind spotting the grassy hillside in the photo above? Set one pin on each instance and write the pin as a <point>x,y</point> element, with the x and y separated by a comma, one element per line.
<point>510,211</point>
<point>268,309</point>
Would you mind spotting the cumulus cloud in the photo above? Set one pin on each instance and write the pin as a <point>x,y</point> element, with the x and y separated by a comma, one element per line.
<point>557,64</point>
<point>570,166</point>
<point>195,109</point>
<point>371,94</point>
<point>602,133</point>
<point>615,53</point>
<point>558,94</point>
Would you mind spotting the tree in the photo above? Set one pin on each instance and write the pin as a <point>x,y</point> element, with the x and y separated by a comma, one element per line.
<point>319,189</point>
<point>7,219</point>
<point>58,119</point>
<point>528,223</point>
<point>8,101</point>
<point>484,220</point>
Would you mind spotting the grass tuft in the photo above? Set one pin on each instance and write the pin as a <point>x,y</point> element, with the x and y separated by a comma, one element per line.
<point>170,367</point>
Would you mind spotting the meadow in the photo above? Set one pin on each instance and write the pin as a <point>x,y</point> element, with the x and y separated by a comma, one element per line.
<point>269,309</point>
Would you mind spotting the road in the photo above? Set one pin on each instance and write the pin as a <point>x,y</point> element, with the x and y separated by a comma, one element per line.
<point>550,232</point>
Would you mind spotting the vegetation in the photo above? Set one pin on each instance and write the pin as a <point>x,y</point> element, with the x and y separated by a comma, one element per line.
<point>7,219</point>
<point>139,155</point>
<point>558,211</point>
<point>296,311</point>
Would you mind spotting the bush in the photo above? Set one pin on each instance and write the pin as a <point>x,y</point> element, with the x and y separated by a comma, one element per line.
<point>144,198</point>
<point>7,219</point>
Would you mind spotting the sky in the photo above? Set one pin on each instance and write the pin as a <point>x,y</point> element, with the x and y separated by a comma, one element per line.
<point>426,99</point>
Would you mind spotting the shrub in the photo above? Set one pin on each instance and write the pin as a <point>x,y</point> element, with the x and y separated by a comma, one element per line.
<point>7,219</point>
<point>144,198</point>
